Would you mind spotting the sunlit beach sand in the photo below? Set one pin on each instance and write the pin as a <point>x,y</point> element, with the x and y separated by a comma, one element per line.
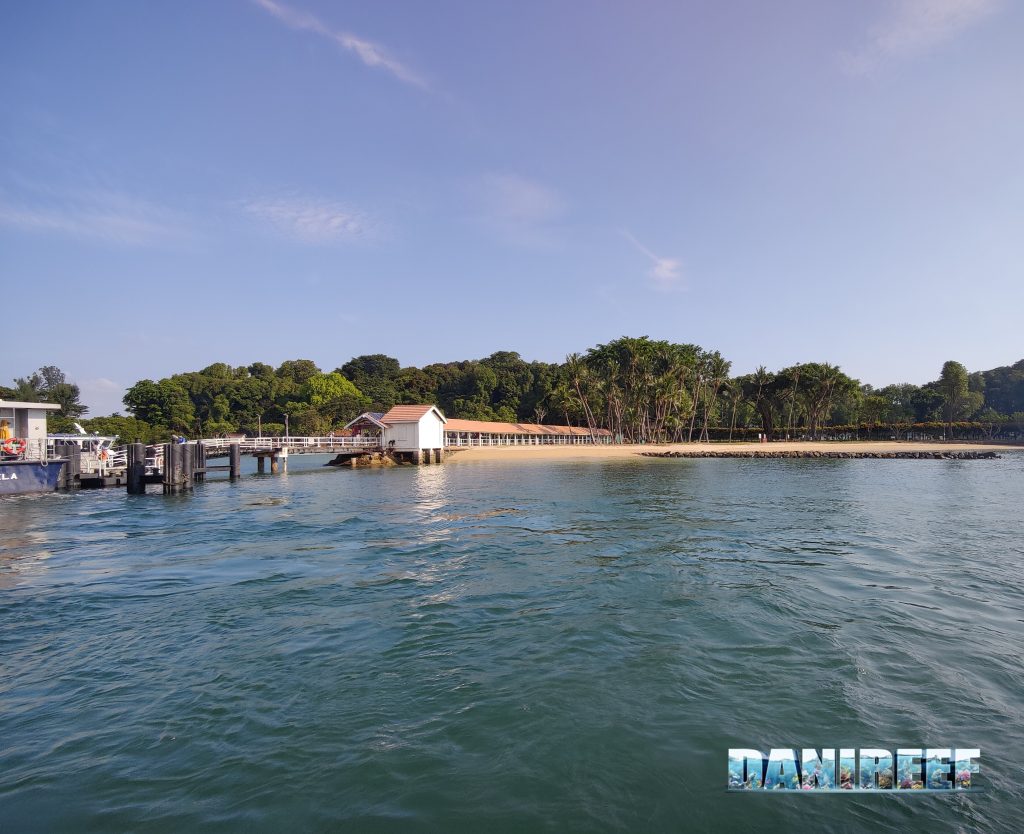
<point>519,453</point>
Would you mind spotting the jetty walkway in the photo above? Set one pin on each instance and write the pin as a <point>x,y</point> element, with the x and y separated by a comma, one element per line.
<point>221,446</point>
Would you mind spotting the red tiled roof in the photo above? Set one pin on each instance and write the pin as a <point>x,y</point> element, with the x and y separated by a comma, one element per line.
<point>407,413</point>
<point>485,427</point>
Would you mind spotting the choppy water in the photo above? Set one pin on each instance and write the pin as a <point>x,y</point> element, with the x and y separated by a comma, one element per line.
<point>509,647</point>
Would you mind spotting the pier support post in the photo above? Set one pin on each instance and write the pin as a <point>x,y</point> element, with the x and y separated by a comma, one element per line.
<point>136,469</point>
<point>236,461</point>
<point>173,467</point>
<point>284,459</point>
<point>72,454</point>
<point>168,467</point>
<point>199,473</point>
<point>261,464</point>
<point>273,463</point>
<point>438,455</point>
<point>188,465</point>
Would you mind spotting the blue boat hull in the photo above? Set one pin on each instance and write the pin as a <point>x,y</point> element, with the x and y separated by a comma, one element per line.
<point>18,477</point>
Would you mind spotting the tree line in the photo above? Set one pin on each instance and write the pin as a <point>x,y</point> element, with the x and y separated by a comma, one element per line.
<point>643,390</point>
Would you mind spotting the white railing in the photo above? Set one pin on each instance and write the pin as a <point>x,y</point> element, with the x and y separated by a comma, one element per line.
<point>293,444</point>
<point>103,462</point>
<point>453,439</point>
<point>34,449</point>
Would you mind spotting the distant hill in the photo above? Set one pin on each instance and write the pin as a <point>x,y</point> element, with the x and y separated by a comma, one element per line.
<point>1003,387</point>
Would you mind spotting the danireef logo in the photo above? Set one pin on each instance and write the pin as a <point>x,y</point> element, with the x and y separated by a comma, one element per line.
<point>926,769</point>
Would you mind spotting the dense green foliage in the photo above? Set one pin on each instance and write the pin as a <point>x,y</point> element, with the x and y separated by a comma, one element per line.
<point>641,389</point>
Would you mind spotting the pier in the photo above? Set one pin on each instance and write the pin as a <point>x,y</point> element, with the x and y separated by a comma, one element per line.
<point>177,467</point>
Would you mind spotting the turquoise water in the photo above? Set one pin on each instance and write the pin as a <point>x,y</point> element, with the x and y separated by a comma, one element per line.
<point>510,647</point>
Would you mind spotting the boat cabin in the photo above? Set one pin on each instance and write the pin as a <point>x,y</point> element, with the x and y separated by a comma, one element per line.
<point>25,422</point>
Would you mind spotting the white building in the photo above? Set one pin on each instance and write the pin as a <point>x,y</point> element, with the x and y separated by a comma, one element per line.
<point>415,431</point>
<point>484,433</point>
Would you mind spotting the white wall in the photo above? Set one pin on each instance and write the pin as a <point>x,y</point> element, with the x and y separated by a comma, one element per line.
<point>403,434</point>
<point>427,433</point>
<point>36,423</point>
<point>431,431</point>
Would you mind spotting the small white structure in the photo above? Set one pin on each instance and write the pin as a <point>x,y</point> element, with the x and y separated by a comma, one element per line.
<point>27,420</point>
<point>415,431</point>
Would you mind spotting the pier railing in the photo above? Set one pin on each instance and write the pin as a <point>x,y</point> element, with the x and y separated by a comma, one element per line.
<point>453,439</point>
<point>294,445</point>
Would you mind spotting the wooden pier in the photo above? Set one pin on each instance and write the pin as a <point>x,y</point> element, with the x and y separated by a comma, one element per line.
<point>177,467</point>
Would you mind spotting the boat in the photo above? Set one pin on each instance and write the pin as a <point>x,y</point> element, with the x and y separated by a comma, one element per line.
<point>98,453</point>
<point>25,463</point>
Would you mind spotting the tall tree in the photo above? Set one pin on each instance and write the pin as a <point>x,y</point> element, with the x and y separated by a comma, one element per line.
<point>377,376</point>
<point>761,389</point>
<point>57,389</point>
<point>953,388</point>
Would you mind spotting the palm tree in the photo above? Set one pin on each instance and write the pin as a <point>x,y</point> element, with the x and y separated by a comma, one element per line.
<point>577,376</point>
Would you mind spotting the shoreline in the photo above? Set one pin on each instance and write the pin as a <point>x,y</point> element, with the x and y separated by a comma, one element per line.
<point>793,448</point>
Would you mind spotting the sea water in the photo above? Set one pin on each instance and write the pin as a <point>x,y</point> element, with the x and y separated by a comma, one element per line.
<point>503,646</point>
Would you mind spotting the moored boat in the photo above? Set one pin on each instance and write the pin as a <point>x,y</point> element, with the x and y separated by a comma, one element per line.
<point>22,476</point>
<point>25,463</point>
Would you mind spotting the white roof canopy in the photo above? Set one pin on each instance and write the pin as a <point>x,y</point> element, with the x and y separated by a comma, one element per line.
<point>16,404</point>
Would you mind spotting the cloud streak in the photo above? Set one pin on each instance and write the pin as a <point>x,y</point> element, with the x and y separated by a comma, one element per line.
<point>102,216</point>
<point>915,27</point>
<point>371,54</point>
<point>665,273</point>
<point>519,209</point>
<point>311,220</point>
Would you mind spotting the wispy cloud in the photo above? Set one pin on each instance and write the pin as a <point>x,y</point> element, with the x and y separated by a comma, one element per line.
<point>103,216</point>
<point>665,273</point>
<point>371,54</point>
<point>102,396</point>
<point>311,220</point>
<point>914,27</point>
<point>518,209</point>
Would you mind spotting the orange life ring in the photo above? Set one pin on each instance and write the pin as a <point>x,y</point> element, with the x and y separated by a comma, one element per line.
<point>103,454</point>
<point>14,446</point>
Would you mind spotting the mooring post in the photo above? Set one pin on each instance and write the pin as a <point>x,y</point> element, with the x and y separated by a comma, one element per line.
<point>199,473</point>
<point>67,471</point>
<point>74,466</point>
<point>188,465</point>
<point>172,467</point>
<point>167,466</point>
<point>236,461</point>
<point>136,469</point>
<point>61,450</point>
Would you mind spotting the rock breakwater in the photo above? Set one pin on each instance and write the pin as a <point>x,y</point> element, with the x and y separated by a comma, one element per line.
<point>812,453</point>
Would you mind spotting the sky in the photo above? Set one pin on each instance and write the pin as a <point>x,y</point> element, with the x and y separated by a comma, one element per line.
<point>259,180</point>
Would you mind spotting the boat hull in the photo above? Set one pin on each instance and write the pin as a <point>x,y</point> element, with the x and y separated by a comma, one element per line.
<point>18,477</point>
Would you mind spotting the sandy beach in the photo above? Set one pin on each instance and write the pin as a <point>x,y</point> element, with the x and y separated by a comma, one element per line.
<point>517,453</point>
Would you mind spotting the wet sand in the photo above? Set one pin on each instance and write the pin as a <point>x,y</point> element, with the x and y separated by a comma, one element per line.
<point>548,453</point>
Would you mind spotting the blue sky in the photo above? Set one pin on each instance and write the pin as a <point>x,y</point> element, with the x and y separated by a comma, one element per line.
<point>254,180</point>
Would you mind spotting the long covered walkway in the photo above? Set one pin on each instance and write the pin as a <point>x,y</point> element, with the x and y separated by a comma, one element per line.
<point>483,433</point>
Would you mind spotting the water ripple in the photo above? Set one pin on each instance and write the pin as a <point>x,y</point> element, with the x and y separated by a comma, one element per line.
<point>563,647</point>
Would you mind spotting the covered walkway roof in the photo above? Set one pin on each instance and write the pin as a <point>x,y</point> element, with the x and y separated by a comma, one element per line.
<point>487,427</point>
